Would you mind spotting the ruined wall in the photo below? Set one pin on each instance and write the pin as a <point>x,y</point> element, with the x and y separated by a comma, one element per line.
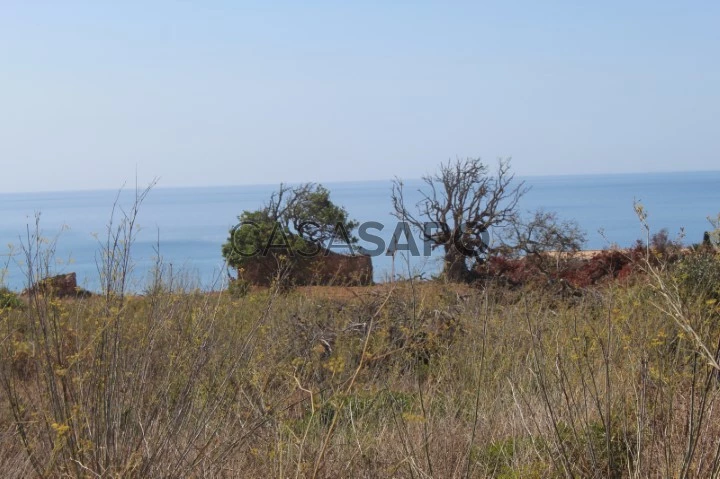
<point>61,286</point>
<point>332,269</point>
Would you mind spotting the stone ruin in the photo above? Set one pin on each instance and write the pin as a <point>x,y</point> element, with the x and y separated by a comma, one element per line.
<point>323,269</point>
<point>60,286</point>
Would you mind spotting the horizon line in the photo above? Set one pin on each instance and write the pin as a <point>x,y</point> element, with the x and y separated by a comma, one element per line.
<point>335,182</point>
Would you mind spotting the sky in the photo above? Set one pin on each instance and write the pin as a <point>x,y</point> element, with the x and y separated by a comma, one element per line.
<point>228,92</point>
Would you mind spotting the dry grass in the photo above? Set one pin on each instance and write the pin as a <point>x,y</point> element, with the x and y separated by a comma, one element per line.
<point>405,380</point>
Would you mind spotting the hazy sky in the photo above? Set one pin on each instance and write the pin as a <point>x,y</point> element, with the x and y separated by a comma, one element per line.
<point>225,92</point>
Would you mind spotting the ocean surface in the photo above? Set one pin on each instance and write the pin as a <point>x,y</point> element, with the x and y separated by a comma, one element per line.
<point>187,226</point>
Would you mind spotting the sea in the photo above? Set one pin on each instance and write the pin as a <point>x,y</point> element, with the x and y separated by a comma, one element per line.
<point>183,229</point>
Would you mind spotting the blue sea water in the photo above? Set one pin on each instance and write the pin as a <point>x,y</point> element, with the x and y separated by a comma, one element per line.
<point>190,224</point>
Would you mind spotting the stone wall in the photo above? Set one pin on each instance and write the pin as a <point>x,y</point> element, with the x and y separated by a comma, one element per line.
<point>331,269</point>
<point>61,286</point>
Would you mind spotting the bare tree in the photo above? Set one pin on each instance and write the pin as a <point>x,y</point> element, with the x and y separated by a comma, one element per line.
<point>462,202</point>
<point>544,238</point>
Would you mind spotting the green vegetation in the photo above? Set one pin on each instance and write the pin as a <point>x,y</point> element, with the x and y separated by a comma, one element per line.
<point>8,299</point>
<point>296,220</point>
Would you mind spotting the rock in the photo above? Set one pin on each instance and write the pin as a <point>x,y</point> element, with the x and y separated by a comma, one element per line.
<point>61,286</point>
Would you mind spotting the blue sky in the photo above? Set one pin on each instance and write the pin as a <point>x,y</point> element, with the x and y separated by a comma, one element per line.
<point>221,92</point>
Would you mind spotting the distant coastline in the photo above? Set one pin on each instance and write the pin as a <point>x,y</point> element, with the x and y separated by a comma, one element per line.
<point>264,185</point>
<point>192,222</point>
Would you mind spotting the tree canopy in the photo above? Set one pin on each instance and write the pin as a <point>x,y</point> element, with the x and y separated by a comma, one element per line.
<point>297,220</point>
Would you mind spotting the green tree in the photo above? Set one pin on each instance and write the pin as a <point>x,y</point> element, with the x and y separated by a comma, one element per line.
<point>297,221</point>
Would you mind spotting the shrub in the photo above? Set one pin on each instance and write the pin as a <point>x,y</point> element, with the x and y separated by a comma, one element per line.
<point>698,276</point>
<point>8,299</point>
<point>239,288</point>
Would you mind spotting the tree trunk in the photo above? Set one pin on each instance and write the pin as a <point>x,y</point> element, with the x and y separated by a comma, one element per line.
<point>455,268</point>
